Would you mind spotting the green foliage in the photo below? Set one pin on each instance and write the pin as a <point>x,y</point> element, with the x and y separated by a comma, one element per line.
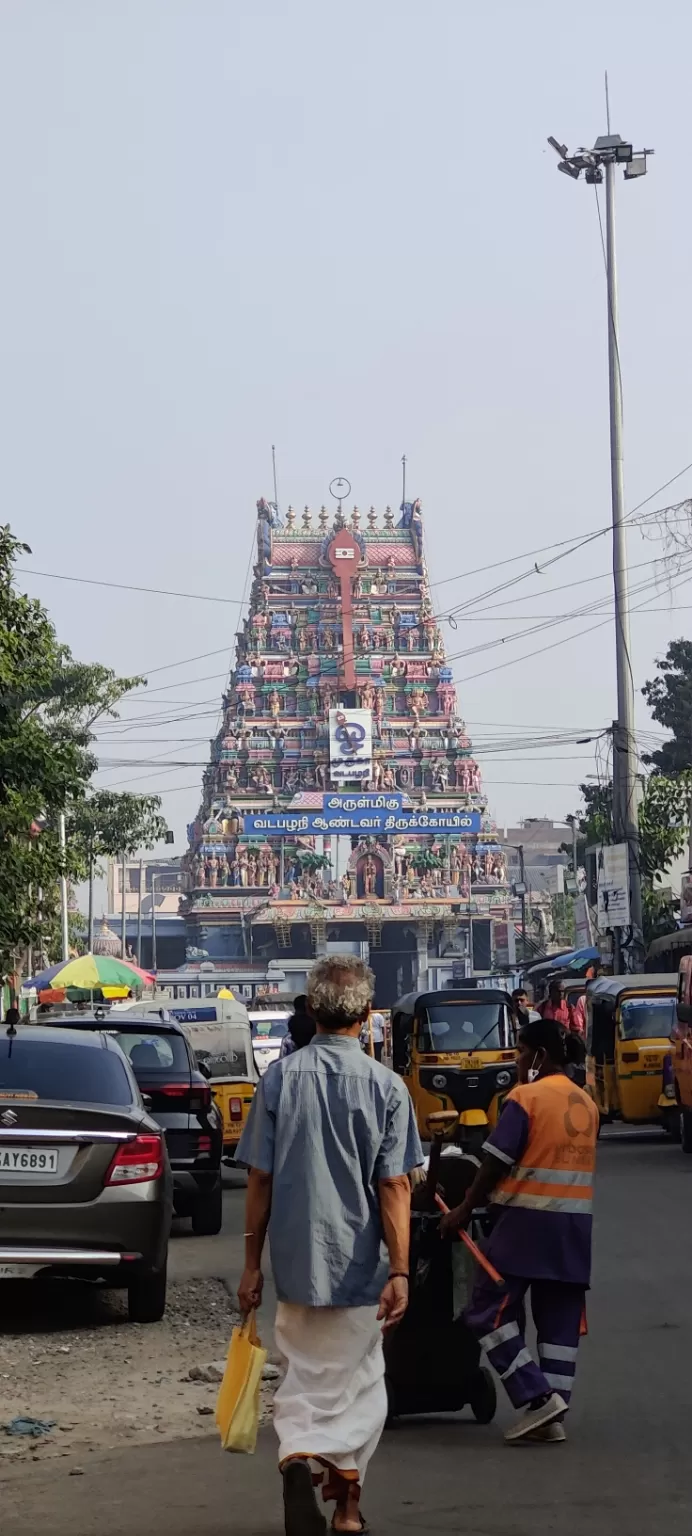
<point>669,697</point>
<point>563,919</point>
<point>49,704</point>
<point>106,824</point>
<point>663,834</point>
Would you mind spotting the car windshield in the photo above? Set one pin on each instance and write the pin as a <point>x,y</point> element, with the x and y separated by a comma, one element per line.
<point>462,1027</point>
<point>224,1052</point>
<point>64,1071</point>
<point>153,1050</point>
<point>269,1029</point>
<point>647,1018</point>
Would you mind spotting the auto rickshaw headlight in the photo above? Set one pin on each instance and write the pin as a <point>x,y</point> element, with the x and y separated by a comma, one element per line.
<point>503,1078</point>
<point>439,1080</point>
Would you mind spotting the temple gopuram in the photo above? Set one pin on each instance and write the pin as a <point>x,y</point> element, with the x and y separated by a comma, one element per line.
<point>388,850</point>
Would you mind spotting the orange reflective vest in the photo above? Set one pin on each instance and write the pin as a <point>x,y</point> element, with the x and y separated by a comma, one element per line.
<point>555,1170</point>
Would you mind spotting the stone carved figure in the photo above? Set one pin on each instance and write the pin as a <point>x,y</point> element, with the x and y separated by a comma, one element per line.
<point>370,876</point>
<point>252,869</point>
<point>213,869</point>
<point>389,777</point>
<point>417,701</point>
<point>242,864</point>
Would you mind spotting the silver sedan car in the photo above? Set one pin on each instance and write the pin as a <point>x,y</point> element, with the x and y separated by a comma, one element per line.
<point>85,1185</point>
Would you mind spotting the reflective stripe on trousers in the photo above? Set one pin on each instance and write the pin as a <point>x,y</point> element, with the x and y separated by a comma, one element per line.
<point>498,1319</point>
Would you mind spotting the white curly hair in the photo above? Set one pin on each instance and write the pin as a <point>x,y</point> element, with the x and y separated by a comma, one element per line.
<point>340,991</point>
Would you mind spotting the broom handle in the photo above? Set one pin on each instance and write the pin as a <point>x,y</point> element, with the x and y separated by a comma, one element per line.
<point>473,1247</point>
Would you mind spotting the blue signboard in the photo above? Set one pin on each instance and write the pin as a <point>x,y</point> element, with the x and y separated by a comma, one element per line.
<point>345,823</point>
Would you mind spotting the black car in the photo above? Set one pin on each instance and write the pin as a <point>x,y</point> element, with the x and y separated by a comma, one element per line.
<point>179,1097</point>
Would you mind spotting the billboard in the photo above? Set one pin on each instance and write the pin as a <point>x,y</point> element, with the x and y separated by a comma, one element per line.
<point>350,745</point>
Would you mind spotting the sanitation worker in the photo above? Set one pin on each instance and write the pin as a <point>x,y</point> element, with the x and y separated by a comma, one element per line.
<point>537,1175</point>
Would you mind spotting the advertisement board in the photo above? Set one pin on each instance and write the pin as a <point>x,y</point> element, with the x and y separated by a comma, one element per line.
<point>613,887</point>
<point>350,745</point>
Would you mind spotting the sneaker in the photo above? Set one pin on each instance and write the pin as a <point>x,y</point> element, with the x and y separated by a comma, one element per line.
<point>547,1432</point>
<point>535,1418</point>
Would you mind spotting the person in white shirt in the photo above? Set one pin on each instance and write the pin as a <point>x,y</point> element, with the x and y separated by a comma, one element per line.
<point>373,1029</point>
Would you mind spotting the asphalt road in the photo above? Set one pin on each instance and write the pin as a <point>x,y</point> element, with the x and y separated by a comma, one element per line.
<point>626,1465</point>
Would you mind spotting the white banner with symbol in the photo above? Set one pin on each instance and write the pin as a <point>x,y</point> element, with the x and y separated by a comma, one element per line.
<point>613,887</point>
<point>350,745</point>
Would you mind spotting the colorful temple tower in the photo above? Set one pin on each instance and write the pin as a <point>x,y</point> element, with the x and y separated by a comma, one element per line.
<point>340,619</point>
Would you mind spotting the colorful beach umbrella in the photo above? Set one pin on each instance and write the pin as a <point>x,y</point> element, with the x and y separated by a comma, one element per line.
<point>90,973</point>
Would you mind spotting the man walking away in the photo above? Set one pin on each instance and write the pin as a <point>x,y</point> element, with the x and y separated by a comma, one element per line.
<point>538,1174</point>
<point>329,1142</point>
<point>301,1027</point>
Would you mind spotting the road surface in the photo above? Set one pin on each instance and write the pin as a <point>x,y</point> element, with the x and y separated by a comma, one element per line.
<point>626,1465</point>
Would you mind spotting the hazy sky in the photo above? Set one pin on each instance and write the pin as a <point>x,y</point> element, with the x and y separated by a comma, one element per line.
<point>228,223</point>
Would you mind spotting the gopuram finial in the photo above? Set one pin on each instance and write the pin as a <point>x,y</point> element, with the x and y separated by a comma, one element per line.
<point>307,518</point>
<point>324,518</point>
<point>372,518</point>
<point>290,518</point>
<point>355,518</point>
<point>388,518</point>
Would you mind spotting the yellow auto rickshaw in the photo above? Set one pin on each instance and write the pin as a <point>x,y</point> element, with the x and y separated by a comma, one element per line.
<point>223,1051</point>
<point>628,1028</point>
<point>455,1050</point>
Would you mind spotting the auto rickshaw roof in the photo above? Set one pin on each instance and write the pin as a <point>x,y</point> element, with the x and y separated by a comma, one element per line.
<point>607,990</point>
<point>468,994</point>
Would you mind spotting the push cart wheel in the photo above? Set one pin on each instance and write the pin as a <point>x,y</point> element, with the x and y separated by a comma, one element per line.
<point>483,1399</point>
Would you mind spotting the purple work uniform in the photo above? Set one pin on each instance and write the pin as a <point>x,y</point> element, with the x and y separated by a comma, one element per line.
<point>541,1237</point>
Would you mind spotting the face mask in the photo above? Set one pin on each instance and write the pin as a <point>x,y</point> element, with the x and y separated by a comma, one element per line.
<point>534,1071</point>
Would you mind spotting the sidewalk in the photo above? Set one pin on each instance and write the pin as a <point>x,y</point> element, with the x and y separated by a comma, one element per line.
<point>427,1478</point>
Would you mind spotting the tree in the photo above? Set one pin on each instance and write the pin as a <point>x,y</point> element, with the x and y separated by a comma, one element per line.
<point>49,704</point>
<point>669,698</point>
<point>663,833</point>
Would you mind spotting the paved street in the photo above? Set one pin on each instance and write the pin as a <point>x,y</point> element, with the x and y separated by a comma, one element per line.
<point>626,1465</point>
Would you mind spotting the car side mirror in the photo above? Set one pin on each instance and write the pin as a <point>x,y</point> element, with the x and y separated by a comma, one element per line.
<point>147,1100</point>
<point>204,1068</point>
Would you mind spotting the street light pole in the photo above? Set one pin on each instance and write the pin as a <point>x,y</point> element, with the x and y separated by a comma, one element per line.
<point>139,913</point>
<point>609,151</point>
<point>123,908</point>
<point>153,925</point>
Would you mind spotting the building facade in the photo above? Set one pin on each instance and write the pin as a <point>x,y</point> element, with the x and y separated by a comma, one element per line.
<point>341,637</point>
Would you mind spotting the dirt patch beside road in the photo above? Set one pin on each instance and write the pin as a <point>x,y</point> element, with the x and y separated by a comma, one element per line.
<point>69,1353</point>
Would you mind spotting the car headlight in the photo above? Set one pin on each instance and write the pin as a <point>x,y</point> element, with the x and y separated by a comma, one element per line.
<point>439,1080</point>
<point>503,1078</point>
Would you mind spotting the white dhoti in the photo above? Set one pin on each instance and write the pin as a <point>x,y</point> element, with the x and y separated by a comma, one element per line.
<point>332,1402</point>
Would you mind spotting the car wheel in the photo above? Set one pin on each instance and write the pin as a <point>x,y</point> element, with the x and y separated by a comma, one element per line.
<point>207,1212</point>
<point>146,1296</point>
<point>686,1130</point>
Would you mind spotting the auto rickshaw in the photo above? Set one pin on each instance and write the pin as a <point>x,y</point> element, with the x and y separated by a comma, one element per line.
<point>455,1050</point>
<point>223,1051</point>
<point>629,1023</point>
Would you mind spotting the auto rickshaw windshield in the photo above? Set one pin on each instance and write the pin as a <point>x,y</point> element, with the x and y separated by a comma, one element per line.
<point>462,1026</point>
<point>647,1018</point>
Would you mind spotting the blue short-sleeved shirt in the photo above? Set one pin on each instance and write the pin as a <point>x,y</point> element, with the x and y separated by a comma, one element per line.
<point>329,1122</point>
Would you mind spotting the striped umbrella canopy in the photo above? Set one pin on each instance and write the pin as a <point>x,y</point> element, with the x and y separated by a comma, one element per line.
<point>90,973</point>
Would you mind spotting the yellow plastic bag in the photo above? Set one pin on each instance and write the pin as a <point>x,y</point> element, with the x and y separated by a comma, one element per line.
<point>237,1406</point>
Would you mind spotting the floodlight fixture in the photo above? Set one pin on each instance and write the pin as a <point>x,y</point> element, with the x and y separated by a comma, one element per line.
<point>560,149</point>
<point>636,166</point>
<point>569,169</point>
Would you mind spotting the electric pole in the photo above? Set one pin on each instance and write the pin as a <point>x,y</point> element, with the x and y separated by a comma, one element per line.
<point>596,164</point>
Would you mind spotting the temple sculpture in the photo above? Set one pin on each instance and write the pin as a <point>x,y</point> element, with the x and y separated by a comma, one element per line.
<point>341,618</point>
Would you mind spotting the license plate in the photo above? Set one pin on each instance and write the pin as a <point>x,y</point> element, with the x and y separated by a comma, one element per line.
<point>18,1271</point>
<point>32,1160</point>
